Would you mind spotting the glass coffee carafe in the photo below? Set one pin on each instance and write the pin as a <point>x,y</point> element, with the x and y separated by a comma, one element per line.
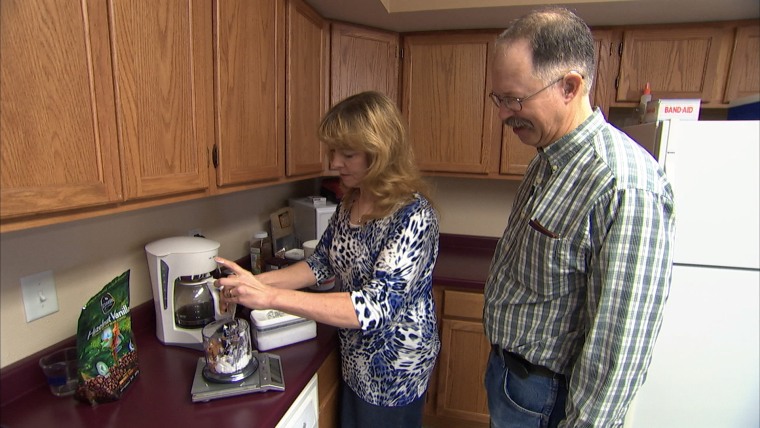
<point>196,302</point>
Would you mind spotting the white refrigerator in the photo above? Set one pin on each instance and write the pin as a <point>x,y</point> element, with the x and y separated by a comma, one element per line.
<point>704,370</point>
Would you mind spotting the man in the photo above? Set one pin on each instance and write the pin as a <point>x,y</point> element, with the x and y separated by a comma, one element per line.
<point>579,279</point>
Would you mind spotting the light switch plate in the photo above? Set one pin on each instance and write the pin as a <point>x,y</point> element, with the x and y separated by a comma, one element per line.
<point>38,292</point>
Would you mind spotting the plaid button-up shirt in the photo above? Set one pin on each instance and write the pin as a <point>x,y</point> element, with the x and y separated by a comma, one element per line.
<point>580,278</point>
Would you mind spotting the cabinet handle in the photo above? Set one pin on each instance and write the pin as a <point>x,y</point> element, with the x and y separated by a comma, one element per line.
<point>215,157</point>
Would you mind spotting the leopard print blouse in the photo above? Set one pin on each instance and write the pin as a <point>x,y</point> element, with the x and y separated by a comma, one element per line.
<point>387,267</point>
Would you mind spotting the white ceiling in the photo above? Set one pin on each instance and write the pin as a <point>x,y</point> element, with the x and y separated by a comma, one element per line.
<point>425,15</point>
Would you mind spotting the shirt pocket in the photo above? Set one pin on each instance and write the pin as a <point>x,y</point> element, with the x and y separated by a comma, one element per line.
<point>545,261</point>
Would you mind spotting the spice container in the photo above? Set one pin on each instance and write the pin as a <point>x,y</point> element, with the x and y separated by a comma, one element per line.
<point>261,249</point>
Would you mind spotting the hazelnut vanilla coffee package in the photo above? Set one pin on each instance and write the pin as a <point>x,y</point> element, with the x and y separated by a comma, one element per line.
<point>105,344</point>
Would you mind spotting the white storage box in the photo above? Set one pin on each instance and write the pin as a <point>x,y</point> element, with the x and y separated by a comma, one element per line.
<point>674,109</point>
<point>273,329</point>
<point>310,220</point>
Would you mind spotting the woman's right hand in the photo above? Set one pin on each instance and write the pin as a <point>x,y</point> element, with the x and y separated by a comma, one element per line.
<point>243,288</point>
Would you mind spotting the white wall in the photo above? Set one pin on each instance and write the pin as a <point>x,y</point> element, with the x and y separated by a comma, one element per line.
<point>473,206</point>
<point>85,255</point>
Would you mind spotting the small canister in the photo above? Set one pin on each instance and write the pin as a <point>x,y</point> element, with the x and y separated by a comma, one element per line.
<point>309,247</point>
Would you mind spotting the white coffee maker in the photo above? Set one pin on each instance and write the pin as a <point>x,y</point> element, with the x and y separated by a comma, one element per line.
<point>184,295</point>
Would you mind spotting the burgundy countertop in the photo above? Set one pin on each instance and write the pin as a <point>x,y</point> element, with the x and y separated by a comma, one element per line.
<point>161,393</point>
<point>463,261</point>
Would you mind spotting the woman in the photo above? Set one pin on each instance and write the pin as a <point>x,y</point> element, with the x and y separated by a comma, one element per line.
<point>381,244</point>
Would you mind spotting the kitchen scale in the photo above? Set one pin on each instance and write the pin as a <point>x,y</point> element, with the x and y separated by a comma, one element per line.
<point>267,377</point>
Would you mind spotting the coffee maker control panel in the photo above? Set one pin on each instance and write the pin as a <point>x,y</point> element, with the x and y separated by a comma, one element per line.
<point>165,284</point>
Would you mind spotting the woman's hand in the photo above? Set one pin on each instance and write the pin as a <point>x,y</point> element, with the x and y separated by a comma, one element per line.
<point>242,287</point>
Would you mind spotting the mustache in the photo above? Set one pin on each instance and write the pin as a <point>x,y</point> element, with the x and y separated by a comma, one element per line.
<point>516,122</point>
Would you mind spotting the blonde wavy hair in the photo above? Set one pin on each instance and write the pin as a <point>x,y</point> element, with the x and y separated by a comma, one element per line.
<point>371,123</point>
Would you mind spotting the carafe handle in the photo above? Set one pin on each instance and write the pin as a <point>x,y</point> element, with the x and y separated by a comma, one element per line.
<point>219,314</point>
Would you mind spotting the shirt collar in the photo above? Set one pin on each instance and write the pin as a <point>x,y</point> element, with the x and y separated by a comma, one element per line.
<point>559,153</point>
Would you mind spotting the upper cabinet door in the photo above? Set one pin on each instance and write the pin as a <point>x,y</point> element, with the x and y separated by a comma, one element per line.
<point>744,74</point>
<point>515,155</point>
<point>308,77</point>
<point>683,62</point>
<point>453,126</point>
<point>602,90</point>
<point>363,59</point>
<point>57,121</point>
<point>163,76</point>
<point>249,56</point>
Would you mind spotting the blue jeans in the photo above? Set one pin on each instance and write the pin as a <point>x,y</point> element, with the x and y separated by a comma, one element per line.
<point>514,402</point>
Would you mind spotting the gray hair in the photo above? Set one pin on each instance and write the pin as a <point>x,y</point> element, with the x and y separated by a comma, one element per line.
<point>560,42</point>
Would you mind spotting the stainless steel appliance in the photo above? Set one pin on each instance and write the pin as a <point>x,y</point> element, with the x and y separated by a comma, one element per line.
<point>184,296</point>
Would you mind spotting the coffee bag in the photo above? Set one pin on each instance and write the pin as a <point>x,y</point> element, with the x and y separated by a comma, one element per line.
<point>105,345</point>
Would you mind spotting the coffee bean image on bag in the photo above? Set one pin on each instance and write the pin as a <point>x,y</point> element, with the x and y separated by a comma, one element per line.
<point>106,349</point>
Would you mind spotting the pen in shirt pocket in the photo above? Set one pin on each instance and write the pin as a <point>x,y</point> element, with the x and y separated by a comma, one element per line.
<point>542,230</point>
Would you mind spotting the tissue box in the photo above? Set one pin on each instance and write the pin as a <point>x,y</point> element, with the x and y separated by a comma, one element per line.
<point>274,329</point>
<point>685,109</point>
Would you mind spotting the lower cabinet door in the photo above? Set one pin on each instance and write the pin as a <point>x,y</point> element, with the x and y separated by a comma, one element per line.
<point>462,365</point>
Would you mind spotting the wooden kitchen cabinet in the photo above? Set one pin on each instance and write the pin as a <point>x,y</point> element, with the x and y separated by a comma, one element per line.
<point>606,60</point>
<point>137,104</point>
<point>307,74</point>
<point>515,155</point>
<point>678,62</point>
<point>99,134</point>
<point>744,71</point>
<point>58,122</point>
<point>163,87</point>
<point>363,59</point>
<point>453,126</point>
<point>249,55</point>
<point>328,388</point>
<point>432,392</point>
<point>461,395</point>
<point>100,107</point>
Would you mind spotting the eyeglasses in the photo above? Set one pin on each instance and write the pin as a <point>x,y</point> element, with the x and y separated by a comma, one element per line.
<point>516,104</point>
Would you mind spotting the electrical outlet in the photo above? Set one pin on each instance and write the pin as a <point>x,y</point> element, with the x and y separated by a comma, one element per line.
<point>194,232</point>
<point>38,292</point>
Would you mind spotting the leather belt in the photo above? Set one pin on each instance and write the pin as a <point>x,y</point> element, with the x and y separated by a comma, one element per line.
<point>520,366</point>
